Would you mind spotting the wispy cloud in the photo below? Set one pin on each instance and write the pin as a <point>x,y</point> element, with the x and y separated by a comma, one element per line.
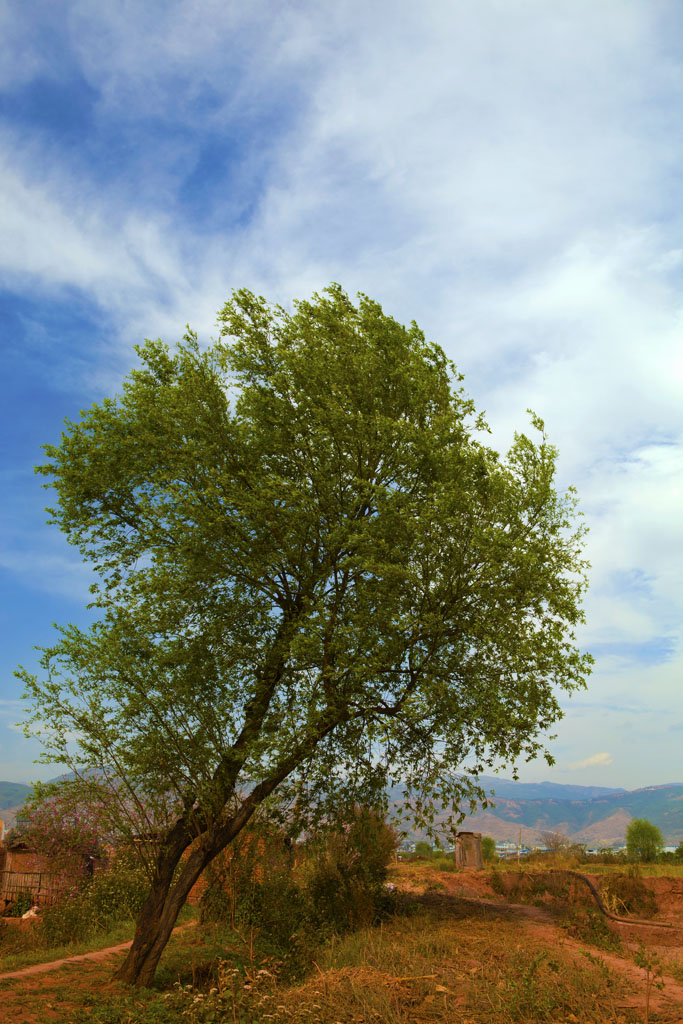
<point>504,174</point>
<point>602,760</point>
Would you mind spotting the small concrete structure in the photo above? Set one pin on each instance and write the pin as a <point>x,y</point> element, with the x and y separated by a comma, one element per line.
<point>468,850</point>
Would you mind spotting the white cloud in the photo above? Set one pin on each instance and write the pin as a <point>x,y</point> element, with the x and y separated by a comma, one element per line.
<point>54,571</point>
<point>602,760</point>
<point>501,173</point>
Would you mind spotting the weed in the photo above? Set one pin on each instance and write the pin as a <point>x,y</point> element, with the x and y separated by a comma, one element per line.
<point>629,893</point>
<point>590,926</point>
<point>652,967</point>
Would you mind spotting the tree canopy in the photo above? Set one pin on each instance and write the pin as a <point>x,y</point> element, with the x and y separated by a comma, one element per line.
<point>314,579</point>
<point>644,841</point>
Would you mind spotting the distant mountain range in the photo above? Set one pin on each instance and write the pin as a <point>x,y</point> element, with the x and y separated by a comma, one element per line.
<point>541,790</point>
<point>594,815</point>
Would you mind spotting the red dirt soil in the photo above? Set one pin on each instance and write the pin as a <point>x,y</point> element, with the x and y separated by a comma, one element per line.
<point>27,994</point>
<point>445,888</point>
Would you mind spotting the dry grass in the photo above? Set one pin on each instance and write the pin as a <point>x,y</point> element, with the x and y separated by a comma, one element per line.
<point>572,863</point>
<point>426,968</point>
<point>646,870</point>
<point>423,968</point>
<point>455,966</point>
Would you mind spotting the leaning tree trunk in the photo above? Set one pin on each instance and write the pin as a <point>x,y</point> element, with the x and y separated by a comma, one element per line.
<point>159,915</point>
<point>166,897</point>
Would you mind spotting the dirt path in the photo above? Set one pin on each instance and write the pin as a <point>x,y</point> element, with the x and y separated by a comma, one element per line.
<point>36,999</point>
<point>95,955</point>
<point>541,924</point>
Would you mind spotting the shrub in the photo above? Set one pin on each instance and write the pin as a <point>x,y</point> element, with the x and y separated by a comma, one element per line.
<point>260,858</point>
<point>444,863</point>
<point>294,898</point>
<point>22,902</point>
<point>341,898</point>
<point>588,925</point>
<point>629,891</point>
<point>424,849</point>
<point>346,885</point>
<point>68,920</point>
<point>496,882</point>
<point>606,856</point>
<point>110,896</point>
<point>117,894</point>
<point>488,848</point>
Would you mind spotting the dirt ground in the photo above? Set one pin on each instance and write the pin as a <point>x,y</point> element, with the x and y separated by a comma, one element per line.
<point>40,998</point>
<point>35,995</point>
<point>441,888</point>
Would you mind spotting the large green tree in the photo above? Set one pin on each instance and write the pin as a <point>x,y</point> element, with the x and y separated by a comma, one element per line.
<point>314,575</point>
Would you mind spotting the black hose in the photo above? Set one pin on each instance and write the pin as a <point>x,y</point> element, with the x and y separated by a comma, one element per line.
<point>601,906</point>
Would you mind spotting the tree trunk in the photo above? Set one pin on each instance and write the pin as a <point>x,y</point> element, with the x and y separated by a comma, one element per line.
<point>166,898</point>
<point>157,918</point>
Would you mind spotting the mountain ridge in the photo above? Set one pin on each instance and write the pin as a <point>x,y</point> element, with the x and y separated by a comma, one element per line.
<point>600,818</point>
<point>600,821</point>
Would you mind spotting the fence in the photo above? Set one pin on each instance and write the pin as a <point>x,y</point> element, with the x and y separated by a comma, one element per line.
<point>42,886</point>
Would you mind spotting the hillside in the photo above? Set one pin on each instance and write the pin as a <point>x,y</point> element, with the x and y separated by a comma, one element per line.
<point>593,815</point>
<point>12,794</point>
<point>508,788</point>
<point>601,821</point>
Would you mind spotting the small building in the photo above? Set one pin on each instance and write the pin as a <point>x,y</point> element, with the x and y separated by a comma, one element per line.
<point>25,872</point>
<point>468,850</point>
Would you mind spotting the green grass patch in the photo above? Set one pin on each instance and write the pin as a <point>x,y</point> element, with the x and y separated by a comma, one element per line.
<point>19,948</point>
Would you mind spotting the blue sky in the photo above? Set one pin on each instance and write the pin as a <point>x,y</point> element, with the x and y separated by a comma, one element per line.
<point>509,174</point>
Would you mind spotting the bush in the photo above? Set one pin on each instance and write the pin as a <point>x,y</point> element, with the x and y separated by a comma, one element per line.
<point>423,849</point>
<point>605,857</point>
<point>295,898</point>
<point>629,892</point>
<point>107,898</point>
<point>488,849</point>
<point>22,902</point>
<point>260,858</point>
<point>341,899</point>
<point>588,925</point>
<point>349,868</point>
<point>117,894</point>
<point>68,920</point>
<point>496,882</point>
<point>444,863</point>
